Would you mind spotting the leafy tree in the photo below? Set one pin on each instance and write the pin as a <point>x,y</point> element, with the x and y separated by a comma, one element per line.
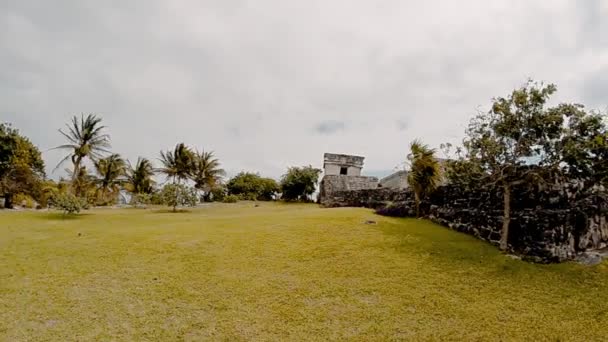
<point>425,172</point>
<point>207,172</point>
<point>584,147</point>
<point>269,189</point>
<point>175,195</point>
<point>111,171</point>
<point>217,193</point>
<point>299,183</point>
<point>139,177</point>
<point>516,132</point>
<point>178,166</point>
<point>251,186</point>
<point>21,165</point>
<point>68,203</point>
<point>86,139</point>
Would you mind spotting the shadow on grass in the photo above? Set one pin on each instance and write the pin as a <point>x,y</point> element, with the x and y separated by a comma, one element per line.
<point>171,211</point>
<point>62,217</point>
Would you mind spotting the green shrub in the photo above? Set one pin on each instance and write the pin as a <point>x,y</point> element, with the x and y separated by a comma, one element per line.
<point>299,183</point>
<point>156,198</point>
<point>231,199</point>
<point>251,186</point>
<point>176,195</point>
<point>217,194</point>
<point>24,201</point>
<point>68,203</point>
<point>140,200</point>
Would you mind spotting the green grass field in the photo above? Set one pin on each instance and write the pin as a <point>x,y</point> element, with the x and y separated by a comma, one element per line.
<point>279,272</point>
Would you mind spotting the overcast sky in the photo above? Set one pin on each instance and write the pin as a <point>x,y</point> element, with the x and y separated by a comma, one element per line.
<point>270,84</point>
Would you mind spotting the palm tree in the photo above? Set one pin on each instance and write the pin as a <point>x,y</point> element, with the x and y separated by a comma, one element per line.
<point>111,171</point>
<point>425,172</point>
<point>85,140</point>
<point>139,178</point>
<point>178,166</point>
<point>206,171</point>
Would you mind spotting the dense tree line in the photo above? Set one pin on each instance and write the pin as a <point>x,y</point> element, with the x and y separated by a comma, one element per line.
<point>191,175</point>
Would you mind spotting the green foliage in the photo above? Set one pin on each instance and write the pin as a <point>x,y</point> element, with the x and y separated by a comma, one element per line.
<point>217,193</point>
<point>425,172</point>
<point>250,186</point>
<point>179,195</point>
<point>521,141</point>
<point>230,199</point>
<point>86,139</point>
<point>299,183</point>
<point>24,201</point>
<point>156,198</point>
<point>585,145</point>
<point>68,203</point>
<point>21,165</point>
<point>111,172</point>
<point>141,199</point>
<point>177,164</point>
<point>139,177</point>
<point>206,171</point>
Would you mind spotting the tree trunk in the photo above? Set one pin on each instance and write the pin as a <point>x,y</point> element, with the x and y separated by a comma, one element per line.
<point>8,201</point>
<point>176,195</point>
<point>417,203</point>
<point>75,174</point>
<point>504,236</point>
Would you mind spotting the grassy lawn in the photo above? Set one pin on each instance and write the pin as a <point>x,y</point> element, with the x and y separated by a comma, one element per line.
<point>279,272</point>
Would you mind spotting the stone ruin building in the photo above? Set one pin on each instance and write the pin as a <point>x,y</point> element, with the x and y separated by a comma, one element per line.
<point>342,172</point>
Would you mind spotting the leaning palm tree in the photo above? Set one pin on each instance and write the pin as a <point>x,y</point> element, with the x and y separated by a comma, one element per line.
<point>86,139</point>
<point>207,172</point>
<point>425,172</point>
<point>139,177</point>
<point>111,171</point>
<point>177,166</point>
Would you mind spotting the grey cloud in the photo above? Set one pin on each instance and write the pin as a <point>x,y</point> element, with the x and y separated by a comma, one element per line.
<point>402,124</point>
<point>329,127</point>
<point>201,72</point>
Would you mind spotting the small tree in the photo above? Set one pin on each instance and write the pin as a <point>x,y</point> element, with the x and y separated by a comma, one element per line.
<point>178,195</point>
<point>516,132</point>
<point>425,172</point>
<point>299,183</point>
<point>68,203</point>
<point>177,166</point>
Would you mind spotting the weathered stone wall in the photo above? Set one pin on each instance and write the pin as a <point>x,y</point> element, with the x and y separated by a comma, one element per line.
<point>547,225</point>
<point>367,198</point>
<point>332,184</point>
<point>397,180</point>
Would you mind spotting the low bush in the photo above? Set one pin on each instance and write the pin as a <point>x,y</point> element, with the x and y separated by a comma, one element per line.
<point>24,201</point>
<point>140,200</point>
<point>68,203</point>
<point>231,199</point>
<point>179,195</point>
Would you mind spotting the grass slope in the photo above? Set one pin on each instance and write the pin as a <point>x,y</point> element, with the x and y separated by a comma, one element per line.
<point>279,272</point>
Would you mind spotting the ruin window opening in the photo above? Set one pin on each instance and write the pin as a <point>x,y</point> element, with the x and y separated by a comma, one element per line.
<point>344,171</point>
